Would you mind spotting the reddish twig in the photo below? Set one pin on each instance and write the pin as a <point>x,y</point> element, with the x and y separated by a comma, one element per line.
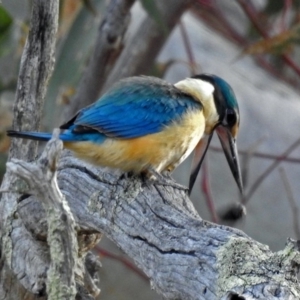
<point>124,261</point>
<point>261,155</point>
<point>210,12</point>
<point>215,18</point>
<point>188,48</point>
<point>250,11</point>
<point>206,188</point>
<point>292,201</point>
<point>261,178</point>
<point>246,160</point>
<point>207,3</point>
<point>290,62</point>
<point>287,6</point>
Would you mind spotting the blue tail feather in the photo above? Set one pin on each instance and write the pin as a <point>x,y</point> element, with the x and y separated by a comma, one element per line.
<point>66,136</point>
<point>39,136</point>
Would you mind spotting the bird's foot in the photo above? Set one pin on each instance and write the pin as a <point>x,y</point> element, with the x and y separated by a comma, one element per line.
<point>167,175</point>
<point>126,175</point>
<point>166,180</point>
<point>153,177</point>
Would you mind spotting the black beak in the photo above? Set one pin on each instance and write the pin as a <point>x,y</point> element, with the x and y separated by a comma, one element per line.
<point>199,155</point>
<point>229,147</point>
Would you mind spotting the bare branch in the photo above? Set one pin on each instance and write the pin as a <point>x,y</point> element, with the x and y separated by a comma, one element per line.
<point>215,18</point>
<point>292,201</point>
<point>188,48</point>
<point>140,52</point>
<point>41,180</point>
<point>260,178</point>
<point>250,11</point>
<point>109,44</point>
<point>184,256</point>
<point>206,189</point>
<point>122,259</point>
<point>260,155</point>
<point>36,67</point>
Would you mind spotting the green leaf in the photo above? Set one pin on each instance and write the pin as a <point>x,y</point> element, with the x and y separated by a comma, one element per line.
<point>273,7</point>
<point>5,32</point>
<point>5,20</point>
<point>277,7</point>
<point>153,11</point>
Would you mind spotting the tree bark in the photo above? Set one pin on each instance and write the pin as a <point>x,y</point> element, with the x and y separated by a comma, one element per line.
<point>184,256</point>
<point>40,179</point>
<point>35,69</point>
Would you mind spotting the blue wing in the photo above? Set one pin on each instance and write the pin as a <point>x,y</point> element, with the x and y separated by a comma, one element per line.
<point>133,107</point>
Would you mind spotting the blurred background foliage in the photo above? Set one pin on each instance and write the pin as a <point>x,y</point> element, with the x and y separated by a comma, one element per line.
<point>269,31</point>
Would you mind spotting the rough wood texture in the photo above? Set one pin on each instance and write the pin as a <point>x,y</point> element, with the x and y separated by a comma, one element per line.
<point>40,178</point>
<point>55,247</point>
<point>108,46</point>
<point>36,67</point>
<point>35,70</point>
<point>184,256</point>
<point>138,57</point>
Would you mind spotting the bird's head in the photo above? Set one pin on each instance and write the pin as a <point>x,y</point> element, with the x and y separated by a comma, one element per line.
<point>221,113</point>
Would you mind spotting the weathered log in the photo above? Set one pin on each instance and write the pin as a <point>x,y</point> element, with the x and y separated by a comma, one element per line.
<point>184,256</point>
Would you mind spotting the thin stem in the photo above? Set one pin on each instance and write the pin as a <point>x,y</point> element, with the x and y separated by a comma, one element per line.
<point>124,261</point>
<point>250,11</point>
<point>264,175</point>
<point>287,6</point>
<point>206,188</point>
<point>292,201</point>
<point>214,17</point>
<point>188,48</point>
<point>261,155</point>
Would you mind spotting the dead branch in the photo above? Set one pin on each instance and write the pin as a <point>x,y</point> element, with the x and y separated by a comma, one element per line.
<point>36,67</point>
<point>40,180</point>
<point>108,46</point>
<point>184,256</point>
<point>140,52</point>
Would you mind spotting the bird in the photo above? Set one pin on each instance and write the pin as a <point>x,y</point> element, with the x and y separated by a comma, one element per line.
<point>145,125</point>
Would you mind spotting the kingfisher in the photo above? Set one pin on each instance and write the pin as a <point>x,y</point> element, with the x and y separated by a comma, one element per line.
<point>146,125</point>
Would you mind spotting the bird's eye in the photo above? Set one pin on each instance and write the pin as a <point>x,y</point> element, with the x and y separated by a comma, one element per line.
<point>230,117</point>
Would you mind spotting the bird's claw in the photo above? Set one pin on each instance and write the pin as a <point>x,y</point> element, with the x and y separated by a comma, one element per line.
<point>171,183</point>
<point>126,175</point>
<point>166,179</point>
